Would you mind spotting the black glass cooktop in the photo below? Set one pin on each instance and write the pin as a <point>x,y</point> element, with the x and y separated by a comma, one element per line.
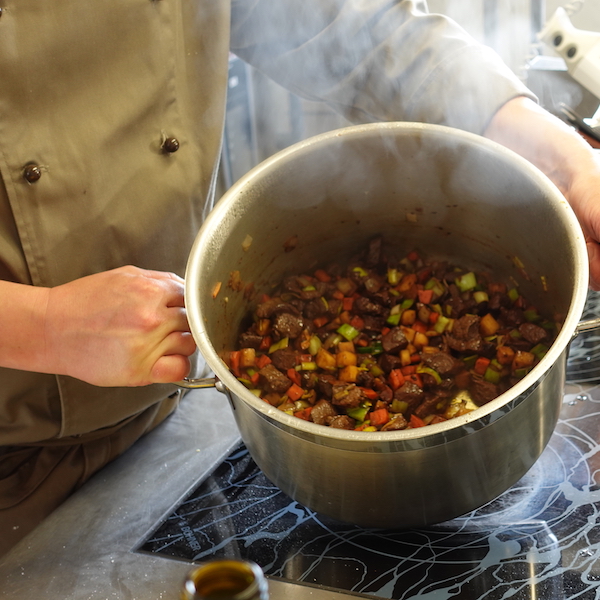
<point>538,540</point>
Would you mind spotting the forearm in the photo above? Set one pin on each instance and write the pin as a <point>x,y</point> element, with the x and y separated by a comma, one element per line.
<point>22,319</point>
<point>564,156</point>
<point>543,139</point>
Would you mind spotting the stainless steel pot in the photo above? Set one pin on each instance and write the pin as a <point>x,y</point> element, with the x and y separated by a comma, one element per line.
<point>448,193</point>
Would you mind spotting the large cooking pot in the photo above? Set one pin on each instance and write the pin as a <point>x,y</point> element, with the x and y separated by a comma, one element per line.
<point>448,194</point>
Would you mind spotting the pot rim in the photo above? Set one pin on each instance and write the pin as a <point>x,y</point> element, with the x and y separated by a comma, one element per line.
<point>474,420</point>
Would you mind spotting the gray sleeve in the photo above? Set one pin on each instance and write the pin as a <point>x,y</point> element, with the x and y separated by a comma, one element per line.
<point>375,60</point>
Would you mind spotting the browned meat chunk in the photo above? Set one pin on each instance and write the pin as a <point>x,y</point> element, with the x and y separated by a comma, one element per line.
<point>284,358</point>
<point>483,391</point>
<point>442,362</point>
<point>273,380</point>
<point>465,335</point>
<point>533,333</point>
<point>394,340</point>
<point>322,412</point>
<point>347,395</point>
<point>342,422</point>
<point>288,325</point>
<point>366,306</point>
<point>248,339</point>
<point>409,392</point>
<point>396,423</point>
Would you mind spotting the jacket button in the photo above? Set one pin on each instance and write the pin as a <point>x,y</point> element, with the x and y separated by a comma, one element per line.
<point>171,145</point>
<point>31,173</point>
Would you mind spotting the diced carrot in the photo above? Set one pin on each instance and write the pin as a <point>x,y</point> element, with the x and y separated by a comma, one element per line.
<point>408,370</point>
<point>396,379</point>
<point>385,330</point>
<point>294,392</point>
<point>481,365</point>
<point>294,376</point>
<point>320,321</point>
<point>254,378</point>
<point>433,317</point>
<point>338,295</point>
<point>369,393</point>
<point>425,296</point>
<point>416,421</point>
<point>347,303</point>
<point>234,362</point>
<point>379,417</point>
<point>413,255</point>
<point>361,342</point>
<point>415,359</point>
<point>322,275</point>
<point>265,298</point>
<point>262,361</point>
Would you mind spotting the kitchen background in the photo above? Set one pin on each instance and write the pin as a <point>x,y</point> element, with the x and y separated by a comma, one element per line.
<point>263,118</point>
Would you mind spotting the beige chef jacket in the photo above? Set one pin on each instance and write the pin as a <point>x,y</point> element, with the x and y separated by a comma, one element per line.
<point>111,116</point>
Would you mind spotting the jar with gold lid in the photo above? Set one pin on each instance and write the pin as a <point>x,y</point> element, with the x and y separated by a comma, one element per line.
<point>226,580</point>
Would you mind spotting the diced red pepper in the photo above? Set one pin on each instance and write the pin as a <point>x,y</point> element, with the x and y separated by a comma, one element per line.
<point>254,378</point>
<point>481,365</point>
<point>396,379</point>
<point>357,322</point>
<point>320,321</point>
<point>304,413</point>
<point>385,330</point>
<point>379,417</point>
<point>266,343</point>
<point>348,303</point>
<point>262,361</point>
<point>414,255</point>
<point>338,295</point>
<point>416,421</point>
<point>408,370</point>
<point>265,298</point>
<point>415,378</point>
<point>294,392</point>
<point>322,275</point>
<point>419,326</point>
<point>425,296</point>
<point>433,317</point>
<point>294,376</point>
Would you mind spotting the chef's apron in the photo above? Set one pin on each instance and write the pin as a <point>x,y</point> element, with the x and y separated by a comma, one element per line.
<point>95,96</point>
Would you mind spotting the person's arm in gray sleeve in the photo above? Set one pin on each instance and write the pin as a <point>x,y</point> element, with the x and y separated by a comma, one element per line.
<point>376,60</point>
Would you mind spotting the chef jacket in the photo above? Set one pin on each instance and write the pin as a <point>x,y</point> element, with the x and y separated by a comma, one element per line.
<point>111,118</point>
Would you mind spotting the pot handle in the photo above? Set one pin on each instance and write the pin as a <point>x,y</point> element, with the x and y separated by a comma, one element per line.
<point>199,384</point>
<point>586,326</point>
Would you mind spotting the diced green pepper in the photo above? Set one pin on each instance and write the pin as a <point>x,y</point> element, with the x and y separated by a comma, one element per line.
<point>513,294</point>
<point>374,348</point>
<point>491,375</point>
<point>394,276</point>
<point>360,271</point>
<point>470,361</point>
<point>393,319</point>
<point>480,297</point>
<point>430,371</point>
<point>406,304</point>
<point>531,315</point>
<point>282,343</point>
<point>466,282</point>
<point>399,406</point>
<point>308,366</point>
<point>539,350</point>
<point>440,325</point>
<point>346,330</point>
<point>359,413</point>
<point>314,345</point>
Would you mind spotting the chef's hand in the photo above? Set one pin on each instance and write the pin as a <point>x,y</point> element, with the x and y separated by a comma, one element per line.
<point>124,327</point>
<point>562,154</point>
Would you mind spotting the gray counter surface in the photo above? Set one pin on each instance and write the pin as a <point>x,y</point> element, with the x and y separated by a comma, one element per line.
<point>85,549</point>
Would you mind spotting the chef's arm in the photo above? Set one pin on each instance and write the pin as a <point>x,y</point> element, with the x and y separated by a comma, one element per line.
<point>125,327</point>
<point>562,154</point>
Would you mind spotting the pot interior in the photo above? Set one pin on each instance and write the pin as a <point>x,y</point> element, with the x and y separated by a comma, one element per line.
<point>448,194</point>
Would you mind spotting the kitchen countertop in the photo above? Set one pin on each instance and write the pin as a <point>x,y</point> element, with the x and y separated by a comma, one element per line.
<point>541,539</point>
